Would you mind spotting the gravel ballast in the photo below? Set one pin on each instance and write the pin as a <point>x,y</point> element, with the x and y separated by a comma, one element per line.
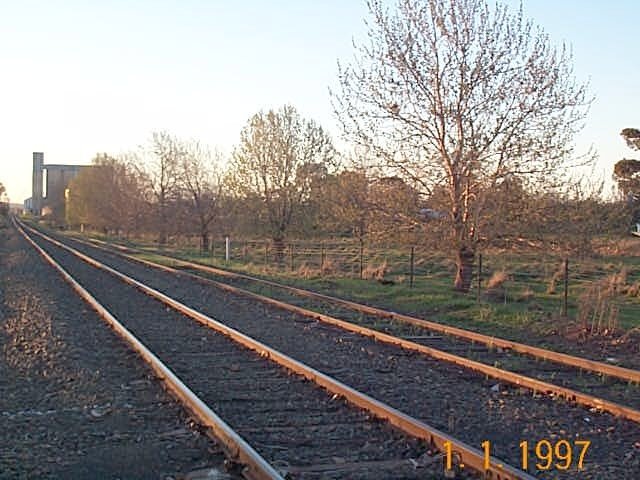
<point>461,402</point>
<point>75,402</point>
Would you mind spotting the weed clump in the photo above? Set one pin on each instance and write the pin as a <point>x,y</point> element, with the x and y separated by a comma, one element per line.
<point>328,267</point>
<point>558,276</point>
<point>372,272</point>
<point>597,310</point>
<point>306,271</point>
<point>496,290</point>
<point>526,295</point>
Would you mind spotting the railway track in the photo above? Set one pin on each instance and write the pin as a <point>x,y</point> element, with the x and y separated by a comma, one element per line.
<point>595,384</point>
<point>304,431</point>
<point>269,287</point>
<point>448,397</point>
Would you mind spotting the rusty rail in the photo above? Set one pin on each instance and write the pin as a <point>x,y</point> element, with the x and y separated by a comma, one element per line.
<point>494,372</point>
<point>468,456</point>
<point>491,341</point>
<point>256,468</point>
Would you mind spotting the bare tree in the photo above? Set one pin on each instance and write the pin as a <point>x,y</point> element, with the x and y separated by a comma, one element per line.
<point>201,177</point>
<point>277,154</point>
<point>162,172</point>
<point>459,95</point>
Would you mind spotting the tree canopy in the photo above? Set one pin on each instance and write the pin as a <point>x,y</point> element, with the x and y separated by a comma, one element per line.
<point>276,164</point>
<point>626,172</point>
<point>460,95</point>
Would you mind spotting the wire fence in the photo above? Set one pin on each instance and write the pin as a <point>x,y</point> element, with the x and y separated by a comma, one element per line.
<point>601,292</point>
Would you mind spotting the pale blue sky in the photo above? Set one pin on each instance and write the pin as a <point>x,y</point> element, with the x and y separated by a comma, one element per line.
<point>80,77</point>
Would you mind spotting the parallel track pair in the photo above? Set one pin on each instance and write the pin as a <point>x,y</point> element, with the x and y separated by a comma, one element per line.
<point>472,459</point>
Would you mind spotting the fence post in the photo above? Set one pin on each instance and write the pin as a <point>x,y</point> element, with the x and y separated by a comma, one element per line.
<point>566,287</point>
<point>266,253</point>
<point>322,254</point>
<point>479,276</point>
<point>291,256</point>
<point>213,249</point>
<point>361,257</point>
<point>411,267</point>
<point>227,249</point>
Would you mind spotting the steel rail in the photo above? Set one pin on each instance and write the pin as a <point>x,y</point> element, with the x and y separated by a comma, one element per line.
<point>494,372</point>
<point>491,341</point>
<point>236,448</point>
<point>467,455</point>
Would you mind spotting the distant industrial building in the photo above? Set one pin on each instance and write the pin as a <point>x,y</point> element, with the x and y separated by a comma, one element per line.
<point>49,184</point>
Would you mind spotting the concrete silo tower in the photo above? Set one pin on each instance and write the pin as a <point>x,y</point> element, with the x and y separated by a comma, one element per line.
<point>36,187</point>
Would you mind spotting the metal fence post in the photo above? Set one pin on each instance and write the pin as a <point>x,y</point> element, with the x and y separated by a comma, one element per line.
<point>291,256</point>
<point>361,257</point>
<point>479,276</point>
<point>411,267</point>
<point>322,254</point>
<point>565,303</point>
<point>266,253</point>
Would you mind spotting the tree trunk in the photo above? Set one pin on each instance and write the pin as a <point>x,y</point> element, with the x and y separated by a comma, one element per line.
<point>464,269</point>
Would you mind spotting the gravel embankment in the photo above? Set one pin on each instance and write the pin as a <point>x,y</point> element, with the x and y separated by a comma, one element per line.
<point>463,403</point>
<point>75,402</point>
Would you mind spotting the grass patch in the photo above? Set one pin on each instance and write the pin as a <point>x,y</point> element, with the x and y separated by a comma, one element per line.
<point>521,295</point>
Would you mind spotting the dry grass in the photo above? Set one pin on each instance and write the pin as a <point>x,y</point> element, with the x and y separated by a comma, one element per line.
<point>497,280</point>
<point>526,295</point>
<point>627,247</point>
<point>633,290</point>
<point>373,272</point>
<point>329,267</point>
<point>558,276</point>
<point>306,271</point>
<point>597,310</point>
<point>495,290</point>
<point>618,281</point>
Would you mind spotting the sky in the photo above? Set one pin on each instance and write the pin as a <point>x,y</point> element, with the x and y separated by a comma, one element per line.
<point>82,77</point>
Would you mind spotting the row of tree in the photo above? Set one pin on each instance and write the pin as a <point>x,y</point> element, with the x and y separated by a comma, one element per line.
<point>460,114</point>
<point>284,178</point>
